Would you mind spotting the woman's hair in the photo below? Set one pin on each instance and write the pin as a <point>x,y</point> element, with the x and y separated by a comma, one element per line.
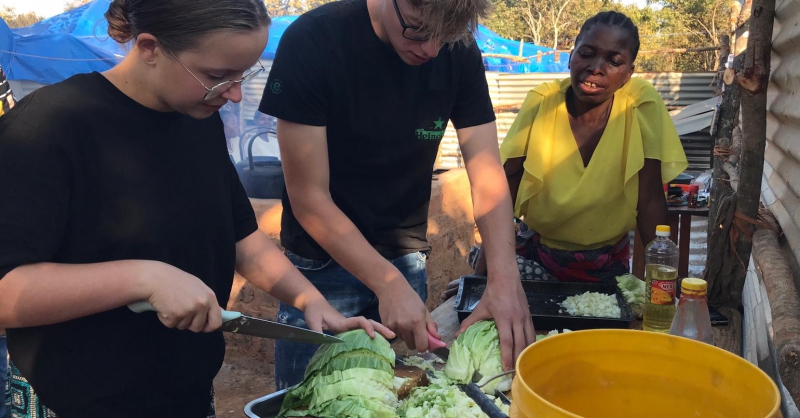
<point>614,20</point>
<point>179,24</point>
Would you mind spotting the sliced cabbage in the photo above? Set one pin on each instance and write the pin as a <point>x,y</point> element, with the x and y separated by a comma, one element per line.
<point>351,379</point>
<point>356,339</point>
<point>594,304</point>
<point>633,290</point>
<point>439,400</point>
<point>475,356</point>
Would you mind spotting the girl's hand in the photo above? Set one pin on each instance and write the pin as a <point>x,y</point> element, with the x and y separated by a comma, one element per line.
<point>181,300</point>
<point>321,316</point>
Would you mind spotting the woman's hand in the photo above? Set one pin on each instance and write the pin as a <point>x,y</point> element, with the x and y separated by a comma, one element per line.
<point>321,316</point>
<point>181,300</point>
<point>449,291</point>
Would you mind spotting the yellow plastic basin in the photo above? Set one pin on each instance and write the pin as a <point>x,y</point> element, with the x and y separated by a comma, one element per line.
<point>637,374</point>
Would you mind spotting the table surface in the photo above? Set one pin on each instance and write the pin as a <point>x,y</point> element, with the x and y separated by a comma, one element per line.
<point>728,337</point>
<point>701,211</point>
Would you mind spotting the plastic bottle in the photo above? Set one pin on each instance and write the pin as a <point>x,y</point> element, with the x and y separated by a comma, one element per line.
<point>661,276</point>
<point>691,317</point>
<point>694,189</point>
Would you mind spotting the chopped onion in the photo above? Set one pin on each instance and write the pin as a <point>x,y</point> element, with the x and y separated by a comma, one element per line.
<point>592,304</point>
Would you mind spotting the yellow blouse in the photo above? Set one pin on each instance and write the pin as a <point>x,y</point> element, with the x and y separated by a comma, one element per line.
<point>579,208</point>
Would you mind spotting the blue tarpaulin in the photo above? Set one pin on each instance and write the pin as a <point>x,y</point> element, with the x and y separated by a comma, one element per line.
<point>61,46</point>
<point>492,43</point>
<point>77,42</point>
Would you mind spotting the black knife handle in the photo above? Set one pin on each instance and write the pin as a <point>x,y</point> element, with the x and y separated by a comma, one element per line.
<point>487,405</point>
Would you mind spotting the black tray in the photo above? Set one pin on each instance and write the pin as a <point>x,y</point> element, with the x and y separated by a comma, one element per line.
<point>266,407</point>
<point>269,406</point>
<point>544,299</point>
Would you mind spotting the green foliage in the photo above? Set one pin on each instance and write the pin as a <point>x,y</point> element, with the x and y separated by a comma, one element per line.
<point>663,24</point>
<point>18,20</point>
<point>292,7</point>
<point>72,4</point>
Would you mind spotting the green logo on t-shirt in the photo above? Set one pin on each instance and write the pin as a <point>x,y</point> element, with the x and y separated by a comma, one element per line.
<point>434,134</point>
<point>276,86</point>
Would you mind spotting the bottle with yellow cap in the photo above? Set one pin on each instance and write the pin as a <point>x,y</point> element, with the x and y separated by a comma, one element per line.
<point>691,318</point>
<point>661,277</point>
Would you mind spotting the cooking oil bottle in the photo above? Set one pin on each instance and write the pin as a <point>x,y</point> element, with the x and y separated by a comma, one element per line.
<point>661,276</point>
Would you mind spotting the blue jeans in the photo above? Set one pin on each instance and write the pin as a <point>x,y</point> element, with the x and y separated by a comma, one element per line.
<point>345,293</point>
<point>3,376</point>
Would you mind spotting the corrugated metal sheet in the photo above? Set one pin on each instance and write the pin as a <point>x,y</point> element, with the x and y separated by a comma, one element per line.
<point>252,92</point>
<point>23,88</point>
<point>698,148</point>
<point>677,90</point>
<point>781,191</point>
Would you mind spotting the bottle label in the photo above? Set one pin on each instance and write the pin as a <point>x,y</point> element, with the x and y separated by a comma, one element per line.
<point>662,292</point>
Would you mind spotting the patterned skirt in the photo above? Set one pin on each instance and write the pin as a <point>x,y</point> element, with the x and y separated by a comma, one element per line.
<point>539,262</point>
<point>22,402</point>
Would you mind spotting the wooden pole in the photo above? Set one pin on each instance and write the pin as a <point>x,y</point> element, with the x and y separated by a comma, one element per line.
<point>719,263</point>
<point>785,305</point>
<point>722,131</point>
<point>754,79</point>
<point>726,268</point>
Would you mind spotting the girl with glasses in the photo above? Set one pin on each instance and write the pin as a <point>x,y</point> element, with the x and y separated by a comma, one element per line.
<point>117,188</point>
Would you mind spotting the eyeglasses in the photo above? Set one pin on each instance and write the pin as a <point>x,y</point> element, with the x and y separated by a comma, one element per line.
<point>225,85</point>
<point>415,30</point>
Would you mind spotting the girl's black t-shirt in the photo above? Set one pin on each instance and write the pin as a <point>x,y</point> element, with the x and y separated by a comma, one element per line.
<point>87,175</point>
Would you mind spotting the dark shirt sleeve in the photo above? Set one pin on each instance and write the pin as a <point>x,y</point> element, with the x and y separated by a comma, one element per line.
<point>35,188</point>
<point>473,105</point>
<point>296,89</point>
<point>244,219</point>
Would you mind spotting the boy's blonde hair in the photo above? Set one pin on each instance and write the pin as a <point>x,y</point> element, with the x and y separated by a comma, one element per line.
<point>451,20</point>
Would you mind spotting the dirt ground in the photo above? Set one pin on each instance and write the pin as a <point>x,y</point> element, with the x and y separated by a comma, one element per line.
<point>240,381</point>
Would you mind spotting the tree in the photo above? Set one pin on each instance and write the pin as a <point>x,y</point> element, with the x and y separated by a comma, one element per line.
<point>18,20</point>
<point>544,22</point>
<point>507,21</point>
<point>697,23</point>
<point>292,7</point>
<point>73,4</point>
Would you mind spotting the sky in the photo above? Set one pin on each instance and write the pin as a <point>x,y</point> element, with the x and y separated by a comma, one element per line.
<point>47,8</point>
<point>44,8</point>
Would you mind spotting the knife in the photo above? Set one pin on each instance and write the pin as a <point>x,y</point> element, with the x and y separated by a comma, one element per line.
<point>438,347</point>
<point>235,322</point>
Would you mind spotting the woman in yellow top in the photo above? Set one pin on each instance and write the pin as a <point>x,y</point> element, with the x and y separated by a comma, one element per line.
<point>587,157</point>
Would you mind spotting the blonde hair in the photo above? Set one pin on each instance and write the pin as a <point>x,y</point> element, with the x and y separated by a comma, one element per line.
<point>450,20</point>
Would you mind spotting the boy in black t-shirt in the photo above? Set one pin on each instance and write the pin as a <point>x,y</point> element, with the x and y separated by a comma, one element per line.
<point>363,91</point>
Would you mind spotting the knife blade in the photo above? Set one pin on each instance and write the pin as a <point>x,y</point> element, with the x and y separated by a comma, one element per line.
<point>235,322</point>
